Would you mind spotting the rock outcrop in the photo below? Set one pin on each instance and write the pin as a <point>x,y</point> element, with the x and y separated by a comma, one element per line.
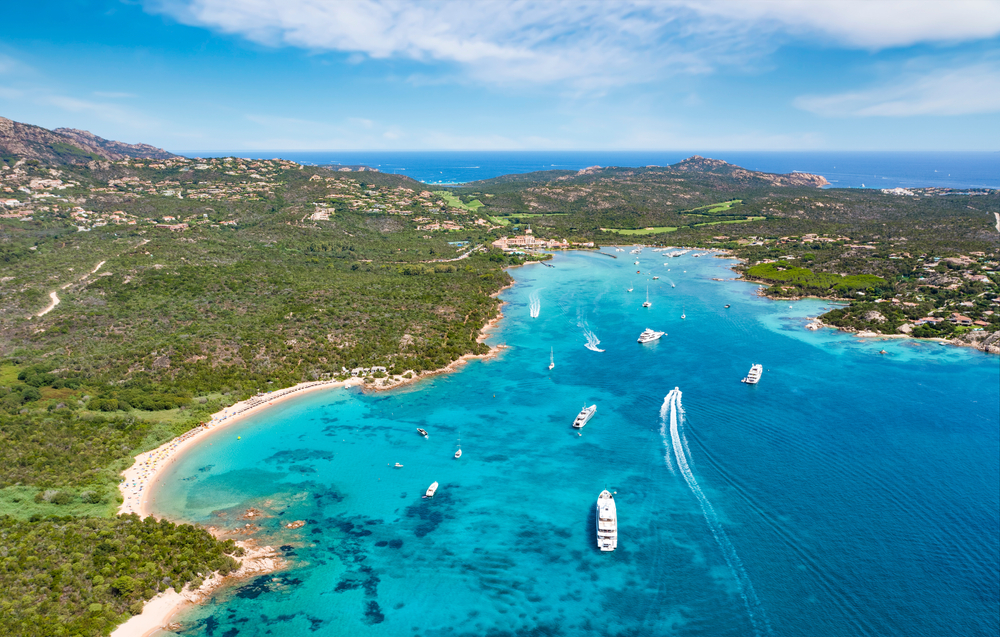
<point>701,164</point>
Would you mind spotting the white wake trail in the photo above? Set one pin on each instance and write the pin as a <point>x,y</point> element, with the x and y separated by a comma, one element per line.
<point>671,407</point>
<point>592,340</point>
<point>535,304</point>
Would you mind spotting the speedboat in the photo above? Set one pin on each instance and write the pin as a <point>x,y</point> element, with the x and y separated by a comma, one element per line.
<point>655,278</point>
<point>422,432</point>
<point>727,305</point>
<point>649,336</point>
<point>753,377</point>
<point>584,416</point>
<point>431,490</point>
<point>399,466</point>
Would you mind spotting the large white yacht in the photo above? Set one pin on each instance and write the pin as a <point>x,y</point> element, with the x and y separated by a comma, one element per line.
<point>754,375</point>
<point>649,336</point>
<point>585,415</point>
<point>607,522</point>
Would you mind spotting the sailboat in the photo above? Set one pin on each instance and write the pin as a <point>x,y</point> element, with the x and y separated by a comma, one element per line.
<point>552,358</point>
<point>683,316</point>
<point>647,303</point>
<point>629,287</point>
<point>458,454</point>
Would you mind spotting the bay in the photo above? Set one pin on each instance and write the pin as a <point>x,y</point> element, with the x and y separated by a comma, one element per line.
<point>849,493</point>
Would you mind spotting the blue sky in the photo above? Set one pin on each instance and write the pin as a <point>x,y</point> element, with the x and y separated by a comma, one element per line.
<point>388,74</point>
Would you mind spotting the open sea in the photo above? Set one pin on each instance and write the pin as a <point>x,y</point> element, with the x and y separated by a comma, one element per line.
<point>849,493</point>
<point>842,169</point>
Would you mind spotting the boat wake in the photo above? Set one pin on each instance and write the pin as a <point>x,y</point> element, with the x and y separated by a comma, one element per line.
<point>592,340</point>
<point>672,417</point>
<point>534,304</point>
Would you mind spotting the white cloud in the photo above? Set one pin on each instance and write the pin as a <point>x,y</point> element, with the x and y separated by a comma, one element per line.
<point>959,91</point>
<point>585,43</point>
<point>114,94</point>
<point>866,24</point>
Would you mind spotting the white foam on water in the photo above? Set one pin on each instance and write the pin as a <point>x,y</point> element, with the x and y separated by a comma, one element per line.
<point>534,303</point>
<point>671,407</point>
<point>592,340</point>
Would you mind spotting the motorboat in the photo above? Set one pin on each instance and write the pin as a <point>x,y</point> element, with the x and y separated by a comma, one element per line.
<point>648,336</point>
<point>399,466</point>
<point>431,490</point>
<point>584,416</point>
<point>607,522</point>
<point>753,377</point>
<point>421,432</point>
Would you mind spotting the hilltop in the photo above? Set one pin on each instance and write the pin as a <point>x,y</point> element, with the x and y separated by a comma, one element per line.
<point>65,146</point>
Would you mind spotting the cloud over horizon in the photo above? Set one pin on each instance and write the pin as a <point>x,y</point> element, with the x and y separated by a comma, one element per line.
<point>587,45</point>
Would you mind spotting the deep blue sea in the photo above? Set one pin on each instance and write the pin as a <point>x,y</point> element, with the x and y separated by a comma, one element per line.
<point>848,493</point>
<point>842,169</point>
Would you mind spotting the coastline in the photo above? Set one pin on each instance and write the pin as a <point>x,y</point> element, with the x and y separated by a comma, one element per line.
<point>139,480</point>
<point>156,612</point>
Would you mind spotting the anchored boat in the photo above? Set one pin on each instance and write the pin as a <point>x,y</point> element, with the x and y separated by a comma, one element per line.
<point>607,522</point>
<point>648,336</point>
<point>584,416</point>
<point>753,377</point>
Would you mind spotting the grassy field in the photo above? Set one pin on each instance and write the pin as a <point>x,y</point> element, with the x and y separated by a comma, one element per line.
<point>715,223</point>
<point>633,231</point>
<point>455,202</point>
<point>715,208</point>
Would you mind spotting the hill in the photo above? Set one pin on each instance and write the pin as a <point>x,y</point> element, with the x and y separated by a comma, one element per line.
<point>65,146</point>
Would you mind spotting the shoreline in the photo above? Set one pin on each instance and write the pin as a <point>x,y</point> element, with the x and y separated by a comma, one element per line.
<point>157,612</point>
<point>143,475</point>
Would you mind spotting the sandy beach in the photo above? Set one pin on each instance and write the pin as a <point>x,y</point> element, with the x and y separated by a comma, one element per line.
<point>156,613</point>
<point>139,479</point>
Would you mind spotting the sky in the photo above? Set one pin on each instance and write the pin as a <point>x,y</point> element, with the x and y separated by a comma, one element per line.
<point>516,75</point>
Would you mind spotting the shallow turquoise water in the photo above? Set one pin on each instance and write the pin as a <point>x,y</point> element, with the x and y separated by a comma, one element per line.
<point>847,494</point>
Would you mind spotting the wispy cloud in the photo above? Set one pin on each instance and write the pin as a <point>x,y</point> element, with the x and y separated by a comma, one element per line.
<point>958,91</point>
<point>113,95</point>
<point>587,44</point>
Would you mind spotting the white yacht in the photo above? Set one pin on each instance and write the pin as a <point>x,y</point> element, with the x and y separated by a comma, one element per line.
<point>431,490</point>
<point>753,376</point>
<point>649,336</point>
<point>647,303</point>
<point>585,415</point>
<point>607,522</point>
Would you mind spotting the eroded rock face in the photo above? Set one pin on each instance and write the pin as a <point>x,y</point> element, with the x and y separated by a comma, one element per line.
<point>875,317</point>
<point>906,328</point>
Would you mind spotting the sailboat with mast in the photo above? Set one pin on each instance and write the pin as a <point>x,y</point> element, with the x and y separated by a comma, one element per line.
<point>552,358</point>
<point>629,287</point>
<point>647,303</point>
<point>458,454</point>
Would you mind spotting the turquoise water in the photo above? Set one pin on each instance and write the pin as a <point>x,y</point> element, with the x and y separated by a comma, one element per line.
<point>849,493</point>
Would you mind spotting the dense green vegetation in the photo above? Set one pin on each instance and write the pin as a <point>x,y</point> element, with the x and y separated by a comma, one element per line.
<point>805,281</point>
<point>72,576</point>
